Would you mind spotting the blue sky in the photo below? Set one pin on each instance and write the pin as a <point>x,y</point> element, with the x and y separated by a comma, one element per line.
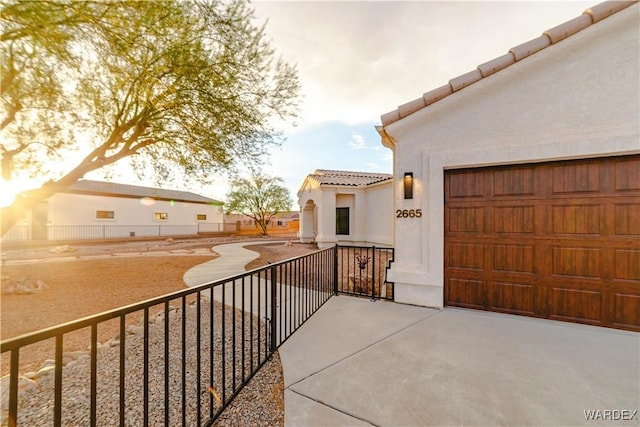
<point>359,60</point>
<point>330,145</point>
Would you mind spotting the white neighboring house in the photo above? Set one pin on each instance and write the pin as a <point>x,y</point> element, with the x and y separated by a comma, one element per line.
<point>527,172</point>
<point>347,208</point>
<point>94,209</point>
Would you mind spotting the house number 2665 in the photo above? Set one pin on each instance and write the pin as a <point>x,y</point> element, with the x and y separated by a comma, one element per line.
<point>408,213</point>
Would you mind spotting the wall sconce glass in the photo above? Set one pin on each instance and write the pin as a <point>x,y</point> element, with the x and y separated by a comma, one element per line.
<point>408,185</point>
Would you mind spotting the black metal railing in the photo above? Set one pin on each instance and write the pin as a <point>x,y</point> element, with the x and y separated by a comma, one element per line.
<point>362,271</point>
<point>178,359</point>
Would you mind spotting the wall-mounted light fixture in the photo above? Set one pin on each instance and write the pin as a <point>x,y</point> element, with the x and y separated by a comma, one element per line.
<point>408,185</point>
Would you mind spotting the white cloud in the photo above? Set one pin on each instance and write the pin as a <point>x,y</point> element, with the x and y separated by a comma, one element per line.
<point>357,141</point>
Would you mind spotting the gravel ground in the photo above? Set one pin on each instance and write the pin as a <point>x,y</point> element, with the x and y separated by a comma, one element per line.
<point>261,402</point>
<point>36,401</point>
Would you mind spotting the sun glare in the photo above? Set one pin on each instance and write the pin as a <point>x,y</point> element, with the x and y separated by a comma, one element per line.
<point>10,189</point>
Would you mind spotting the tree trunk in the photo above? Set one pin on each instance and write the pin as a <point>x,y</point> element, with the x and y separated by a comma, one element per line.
<point>263,226</point>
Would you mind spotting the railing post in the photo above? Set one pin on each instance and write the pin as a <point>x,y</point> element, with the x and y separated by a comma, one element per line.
<point>373,274</point>
<point>274,295</point>
<point>13,389</point>
<point>335,270</point>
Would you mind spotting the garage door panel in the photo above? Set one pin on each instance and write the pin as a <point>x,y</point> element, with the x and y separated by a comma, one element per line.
<point>627,265</point>
<point>572,219</point>
<point>577,262</point>
<point>465,184</point>
<point>466,256</point>
<point>626,310</point>
<point>575,305</point>
<point>514,258</point>
<point>514,219</point>
<point>467,293</point>
<point>557,240</point>
<point>627,174</point>
<point>466,219</point>
<point>576,178</point>
<point>627,219</point>
<point>513,182</point>
<point>516,298</point>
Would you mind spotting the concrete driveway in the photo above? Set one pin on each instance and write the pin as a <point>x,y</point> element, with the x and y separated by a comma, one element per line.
<point>358,362</point>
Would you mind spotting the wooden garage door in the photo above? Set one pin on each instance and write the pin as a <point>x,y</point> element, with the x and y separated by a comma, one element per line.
<point>558,240</point>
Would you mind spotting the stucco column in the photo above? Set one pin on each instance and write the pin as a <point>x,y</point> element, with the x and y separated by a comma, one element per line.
<point>415,282</point>
<point>359,218</point>
<point>306,223</point>
<point>327,220</point>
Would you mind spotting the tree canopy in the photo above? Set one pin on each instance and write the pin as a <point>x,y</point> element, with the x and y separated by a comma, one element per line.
<point>193,84</point>
<point>260,197</point>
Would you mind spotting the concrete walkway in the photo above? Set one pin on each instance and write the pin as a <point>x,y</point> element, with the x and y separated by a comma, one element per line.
<point>357,362</point>
<point>233,257</point>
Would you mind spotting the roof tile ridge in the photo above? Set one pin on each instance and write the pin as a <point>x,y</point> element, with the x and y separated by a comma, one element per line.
<point>497,64</point>
<point>530,47</point>
<point>465,80</point>
<point>607,8</point>
<point>350,173</point>
<point>437,94</point>
<point>569,28</point>
<point>312,178</point>
<point>390,117</point>
<point>411,107</point>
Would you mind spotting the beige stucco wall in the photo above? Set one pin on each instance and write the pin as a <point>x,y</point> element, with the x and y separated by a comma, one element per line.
<point>576,99</point>
<point>378,213</point>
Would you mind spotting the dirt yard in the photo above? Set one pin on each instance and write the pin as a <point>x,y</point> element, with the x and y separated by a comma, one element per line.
<point>84,287</point>
<point>274,252</point>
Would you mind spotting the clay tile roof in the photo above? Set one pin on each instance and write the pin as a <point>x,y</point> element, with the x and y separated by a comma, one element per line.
<point>515,54</point>
<point>529,48</point>
<point>437,94</point>
<point>348,178</point>
<point>569,28</point>
<point>497,64</point>
<point>112,189</point>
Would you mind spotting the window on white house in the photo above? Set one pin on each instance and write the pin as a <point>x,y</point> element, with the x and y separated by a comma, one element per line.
<point>201,217</point>
<point>342,220</point>
<point>160,216</point>
<point>105,215</point>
